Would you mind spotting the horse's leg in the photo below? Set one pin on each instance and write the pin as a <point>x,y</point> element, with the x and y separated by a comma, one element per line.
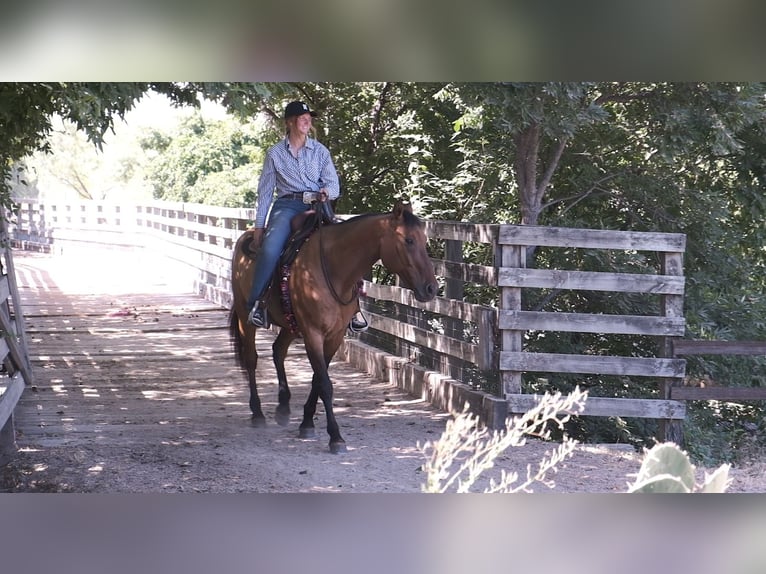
<point>279,351</point>
<point>337,444</point>
<point>321,387</point>
<point>250,361</point>
<point>306,430</point>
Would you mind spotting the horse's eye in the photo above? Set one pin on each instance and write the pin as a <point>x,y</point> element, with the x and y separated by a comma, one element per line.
<point>409,240</point>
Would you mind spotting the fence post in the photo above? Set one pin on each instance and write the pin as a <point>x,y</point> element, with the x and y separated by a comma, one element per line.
<point>7,441</point>
<point>510,300</point>
<point>671,306</point>
<point>453,251</point>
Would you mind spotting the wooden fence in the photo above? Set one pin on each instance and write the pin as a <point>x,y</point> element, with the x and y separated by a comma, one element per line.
<point>436,349</point>
<point>16,369</point>
<point>668,283</point>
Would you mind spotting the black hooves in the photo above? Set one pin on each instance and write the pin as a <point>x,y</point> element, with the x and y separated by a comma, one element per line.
<point>338,447</point>
<point>308,432</point>
<point>258,422</point>
<point>282,416</point>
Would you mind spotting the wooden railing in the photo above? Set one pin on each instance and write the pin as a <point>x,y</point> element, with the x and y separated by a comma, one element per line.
<point>17,371</point>
<point>668,283</point>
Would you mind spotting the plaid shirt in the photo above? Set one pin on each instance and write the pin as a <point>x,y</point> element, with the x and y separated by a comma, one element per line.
<point>312,170</point>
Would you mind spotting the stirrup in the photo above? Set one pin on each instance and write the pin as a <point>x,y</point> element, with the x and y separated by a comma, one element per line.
<point>358,325</point>
<point>259,317</point>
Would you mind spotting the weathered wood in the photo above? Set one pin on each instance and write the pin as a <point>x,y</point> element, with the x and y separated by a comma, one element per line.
<point>17,352</point>
<point>477,232</point>
<point>590,281</point>
<point>466,272</point>
<point>511,339</point>
<point>590,323</point>
<point>590,238</point>
<point>718,393</point>
<point>693,347</point>
<point>604,406</point>
<point>672,306</point>
<point>423,338</point>
<point>469,312</point>
<point>7,440</point>
<point>604,365</point>
<point>453,251</point>
<point>11,389</point>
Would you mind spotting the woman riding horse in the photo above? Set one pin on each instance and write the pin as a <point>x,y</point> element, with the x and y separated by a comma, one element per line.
<point>295,165</point>
<point>321,290</point>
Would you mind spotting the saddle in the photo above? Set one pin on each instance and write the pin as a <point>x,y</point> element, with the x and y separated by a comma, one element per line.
<point>302,226</point>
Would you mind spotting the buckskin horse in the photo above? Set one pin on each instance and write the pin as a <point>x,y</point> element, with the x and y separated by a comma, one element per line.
<point>316,297</point>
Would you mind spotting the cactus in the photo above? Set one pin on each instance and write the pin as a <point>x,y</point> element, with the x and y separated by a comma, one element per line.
<point>667,469</point>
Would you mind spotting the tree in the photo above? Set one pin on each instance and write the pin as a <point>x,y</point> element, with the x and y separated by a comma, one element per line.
<point>213,162</point>
<point>26,110</point>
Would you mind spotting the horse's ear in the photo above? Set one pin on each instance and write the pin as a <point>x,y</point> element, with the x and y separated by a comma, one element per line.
<point>400,208</point>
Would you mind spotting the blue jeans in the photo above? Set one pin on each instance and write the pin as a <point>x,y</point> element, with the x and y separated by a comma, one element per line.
<point>274,239</point>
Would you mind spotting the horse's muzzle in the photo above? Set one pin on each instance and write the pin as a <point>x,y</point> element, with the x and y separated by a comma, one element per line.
<point>425,292</point>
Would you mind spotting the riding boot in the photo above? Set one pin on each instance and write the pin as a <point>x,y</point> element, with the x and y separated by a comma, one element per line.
<point>259,316</point>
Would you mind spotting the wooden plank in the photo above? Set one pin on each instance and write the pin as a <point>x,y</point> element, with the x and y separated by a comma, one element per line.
<point>670,306</point>
<point>510,299</point>
<point>10,393</point>
<point>540,235</point>
<point>590,281</point>
<point>461,231</point>
<point>469,312</point>
<point>467,272</point>
<point>694,347</point>
<point>611,407</point>
<point>434,341</point>
<point>16,350</point>
<point>5,290</point>
<point>591,364</point>
<point>591,323</point>
<point>718,393</point>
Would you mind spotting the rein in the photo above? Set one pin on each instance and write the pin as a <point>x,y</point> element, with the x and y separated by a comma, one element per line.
<point>354,290</point>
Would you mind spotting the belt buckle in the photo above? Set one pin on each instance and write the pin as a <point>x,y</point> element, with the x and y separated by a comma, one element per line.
<point>309,196</point>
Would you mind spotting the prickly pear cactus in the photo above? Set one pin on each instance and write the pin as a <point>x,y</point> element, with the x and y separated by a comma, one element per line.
<point>666,468</point>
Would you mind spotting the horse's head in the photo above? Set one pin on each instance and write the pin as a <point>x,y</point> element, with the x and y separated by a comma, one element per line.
<point>403,251</point>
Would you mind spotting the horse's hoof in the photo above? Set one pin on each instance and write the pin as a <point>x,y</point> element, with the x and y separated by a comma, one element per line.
<point>258,422</point>
<point>338,447</point>
<point>282,416</point>
<point>308,432</point>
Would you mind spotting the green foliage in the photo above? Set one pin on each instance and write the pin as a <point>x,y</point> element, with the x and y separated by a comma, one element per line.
<point>26,110</point>
<point>205,162</point>
<point>667,469</point>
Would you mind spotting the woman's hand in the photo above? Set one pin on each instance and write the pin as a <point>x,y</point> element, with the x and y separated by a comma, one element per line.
<point>257,237</point>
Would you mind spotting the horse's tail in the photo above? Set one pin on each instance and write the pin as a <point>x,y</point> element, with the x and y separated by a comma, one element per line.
<point>235,336</point>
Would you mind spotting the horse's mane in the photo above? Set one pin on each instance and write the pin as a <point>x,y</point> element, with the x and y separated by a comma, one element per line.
<point>410,219</point>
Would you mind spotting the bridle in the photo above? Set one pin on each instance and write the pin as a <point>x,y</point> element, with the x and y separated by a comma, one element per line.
<point>333,292</point>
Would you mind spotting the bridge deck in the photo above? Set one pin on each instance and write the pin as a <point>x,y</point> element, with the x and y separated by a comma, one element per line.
<point>136,390</point>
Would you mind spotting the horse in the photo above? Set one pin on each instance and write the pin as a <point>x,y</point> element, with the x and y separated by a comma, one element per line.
<point>320,291</point>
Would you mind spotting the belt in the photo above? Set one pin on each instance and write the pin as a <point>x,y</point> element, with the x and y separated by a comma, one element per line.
<point>296,195</point>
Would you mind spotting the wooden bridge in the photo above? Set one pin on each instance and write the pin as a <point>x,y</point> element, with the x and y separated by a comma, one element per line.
<point>136,389</point>
<point>441,351</point>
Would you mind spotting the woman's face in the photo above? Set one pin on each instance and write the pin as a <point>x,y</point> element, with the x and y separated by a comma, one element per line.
<point>300,124</point>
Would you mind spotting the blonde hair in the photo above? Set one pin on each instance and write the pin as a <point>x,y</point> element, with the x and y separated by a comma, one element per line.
<point>313,129</point>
